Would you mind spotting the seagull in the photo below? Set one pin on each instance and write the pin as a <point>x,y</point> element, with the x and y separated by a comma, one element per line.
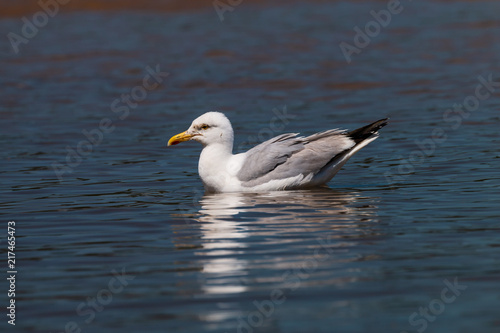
<point>285,162</point>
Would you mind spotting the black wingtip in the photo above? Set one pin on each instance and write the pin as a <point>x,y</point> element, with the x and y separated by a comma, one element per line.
<point>365,132</point>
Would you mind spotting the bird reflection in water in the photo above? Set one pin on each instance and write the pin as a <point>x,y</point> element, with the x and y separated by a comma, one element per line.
<point>245,232</point>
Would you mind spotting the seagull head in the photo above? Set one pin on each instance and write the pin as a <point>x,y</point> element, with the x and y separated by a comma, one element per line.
<point>209,128</point>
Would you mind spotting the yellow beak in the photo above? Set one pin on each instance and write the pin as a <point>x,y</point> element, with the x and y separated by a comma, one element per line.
<point>181,137</point>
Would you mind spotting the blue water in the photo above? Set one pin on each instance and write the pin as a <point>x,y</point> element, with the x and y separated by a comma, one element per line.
<point>125,239</point>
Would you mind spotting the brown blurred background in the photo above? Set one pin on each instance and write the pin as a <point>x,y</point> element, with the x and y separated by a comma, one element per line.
<point>13,8</point>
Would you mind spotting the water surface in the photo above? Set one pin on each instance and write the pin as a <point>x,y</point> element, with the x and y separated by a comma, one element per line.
<point>395,226</point>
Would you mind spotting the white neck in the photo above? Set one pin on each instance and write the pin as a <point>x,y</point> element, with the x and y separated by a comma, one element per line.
<point>213,164</point>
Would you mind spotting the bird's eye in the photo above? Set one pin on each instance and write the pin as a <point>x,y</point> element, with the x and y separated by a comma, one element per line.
<point>204,127</point>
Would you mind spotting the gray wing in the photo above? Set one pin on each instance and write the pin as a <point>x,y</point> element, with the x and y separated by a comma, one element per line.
<point>267,156</point>
<point>288,155</point>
